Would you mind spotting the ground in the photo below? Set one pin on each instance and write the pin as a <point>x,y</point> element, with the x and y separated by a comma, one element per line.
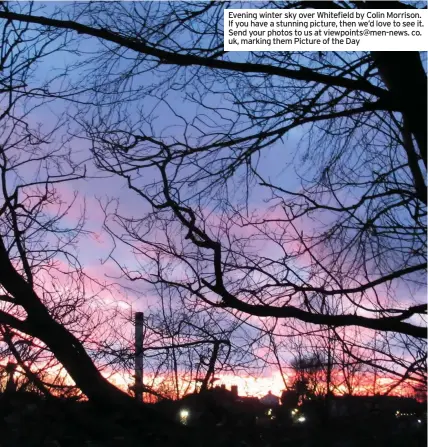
<point>34,422</point>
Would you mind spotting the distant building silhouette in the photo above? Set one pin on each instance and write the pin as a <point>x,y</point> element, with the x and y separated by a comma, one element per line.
<point>270,400</point>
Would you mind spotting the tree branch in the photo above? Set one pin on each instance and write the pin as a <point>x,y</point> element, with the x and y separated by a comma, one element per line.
<point>168,57</point>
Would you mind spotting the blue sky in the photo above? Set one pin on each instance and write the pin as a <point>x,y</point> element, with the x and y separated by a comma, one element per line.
<point>161,112</point>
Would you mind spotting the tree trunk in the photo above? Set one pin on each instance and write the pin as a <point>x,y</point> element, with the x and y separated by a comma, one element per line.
<point>70,352</point>
<point>404,75</point>
<point>61,342</point>
<point>211,367</point>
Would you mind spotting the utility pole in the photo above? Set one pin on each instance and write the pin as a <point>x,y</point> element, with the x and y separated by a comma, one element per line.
<point>138,387</point>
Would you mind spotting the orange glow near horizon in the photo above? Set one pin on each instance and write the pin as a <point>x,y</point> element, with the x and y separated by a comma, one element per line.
<point>260,386</point>
<point>247,385</point>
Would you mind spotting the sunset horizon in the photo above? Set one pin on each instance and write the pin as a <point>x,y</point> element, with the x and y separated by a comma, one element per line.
<point>213,223</point>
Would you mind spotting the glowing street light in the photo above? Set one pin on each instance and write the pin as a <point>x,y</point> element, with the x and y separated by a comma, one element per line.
<point>184,416</point>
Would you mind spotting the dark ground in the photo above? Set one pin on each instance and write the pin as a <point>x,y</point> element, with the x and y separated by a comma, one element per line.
<point>31,422</point>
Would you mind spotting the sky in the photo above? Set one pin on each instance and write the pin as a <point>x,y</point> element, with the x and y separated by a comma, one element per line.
<point>100,188</point>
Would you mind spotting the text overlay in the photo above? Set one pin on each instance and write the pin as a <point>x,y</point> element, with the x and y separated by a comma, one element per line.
<point>325,30</point>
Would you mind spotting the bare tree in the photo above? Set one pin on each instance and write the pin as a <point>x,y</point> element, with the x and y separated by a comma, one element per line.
<point>307,379</point>
<point>182,345</point>
<point>353,229</point>
<point>48,306</point>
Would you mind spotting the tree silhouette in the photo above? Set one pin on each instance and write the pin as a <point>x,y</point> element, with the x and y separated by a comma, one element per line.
<point>350,232</point>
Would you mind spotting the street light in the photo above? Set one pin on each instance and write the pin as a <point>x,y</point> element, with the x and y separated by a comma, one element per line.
<point>184,416</point>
